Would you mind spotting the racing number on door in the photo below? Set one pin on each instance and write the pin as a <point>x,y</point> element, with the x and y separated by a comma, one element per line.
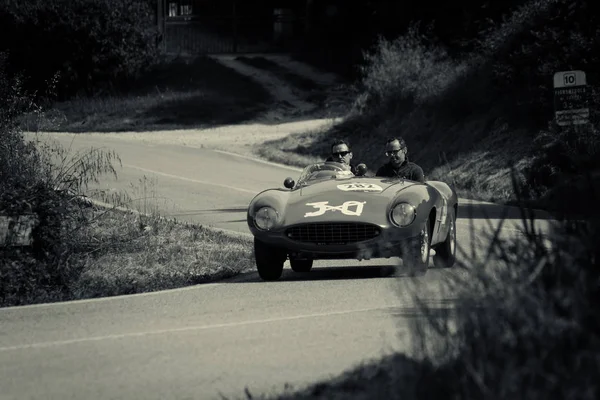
<point>351,207</point>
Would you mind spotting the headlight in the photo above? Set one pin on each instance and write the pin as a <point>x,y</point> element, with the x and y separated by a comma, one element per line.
<point>265,218</point>
<point>403,214</point>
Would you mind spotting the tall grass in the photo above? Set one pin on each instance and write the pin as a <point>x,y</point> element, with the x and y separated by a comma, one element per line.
<point>525,322</point>
<point>34,183</point>
<point>410,68</point>
<point>79,250</point>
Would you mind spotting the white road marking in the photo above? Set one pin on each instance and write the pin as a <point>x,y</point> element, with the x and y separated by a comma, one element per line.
<point>190,179</point>
<point>185,329</point>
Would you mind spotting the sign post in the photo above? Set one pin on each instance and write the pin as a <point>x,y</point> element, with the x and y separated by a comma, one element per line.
<point>571,98</point>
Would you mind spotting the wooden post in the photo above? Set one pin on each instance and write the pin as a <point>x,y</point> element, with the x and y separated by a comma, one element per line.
<point>161,6</point>
<point>235,28</point>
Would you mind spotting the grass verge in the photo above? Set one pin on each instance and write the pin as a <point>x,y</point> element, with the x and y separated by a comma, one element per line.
<point>178,93</point>
<point>116,252</point>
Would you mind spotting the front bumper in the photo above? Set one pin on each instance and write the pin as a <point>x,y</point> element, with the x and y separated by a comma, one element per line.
<point>386,244</point>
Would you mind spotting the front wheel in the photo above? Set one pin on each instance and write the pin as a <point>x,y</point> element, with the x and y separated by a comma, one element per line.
<point>301,265</point>
<point>269,260</point>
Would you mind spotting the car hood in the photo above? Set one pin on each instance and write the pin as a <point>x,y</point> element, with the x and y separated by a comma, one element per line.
<point>352,200</point>
<point>355,185</point>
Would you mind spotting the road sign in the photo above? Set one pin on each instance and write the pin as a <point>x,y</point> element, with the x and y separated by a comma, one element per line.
<point>571,98</point>
<point>17,230</point>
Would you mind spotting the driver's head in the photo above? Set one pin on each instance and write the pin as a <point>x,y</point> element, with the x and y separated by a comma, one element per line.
<point>340,152</point>
<point>396,150</point>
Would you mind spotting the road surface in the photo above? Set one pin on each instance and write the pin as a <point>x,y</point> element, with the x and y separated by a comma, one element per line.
<point>217,339</point>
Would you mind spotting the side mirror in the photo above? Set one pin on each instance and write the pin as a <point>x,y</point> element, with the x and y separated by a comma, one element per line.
<point>361,169</point>
<point>289,183</point>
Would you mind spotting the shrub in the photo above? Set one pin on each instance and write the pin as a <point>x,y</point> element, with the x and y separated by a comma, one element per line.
<point>410,69</point>
<point>42,179</point>
<point>526,322</point>
<point>87,42</point>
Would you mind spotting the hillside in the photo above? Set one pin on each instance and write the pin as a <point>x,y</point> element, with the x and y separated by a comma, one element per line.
<point>470,118</point>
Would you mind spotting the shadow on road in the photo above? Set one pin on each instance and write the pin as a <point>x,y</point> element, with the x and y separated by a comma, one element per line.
<point>495,211</point>
<point>331,273</point>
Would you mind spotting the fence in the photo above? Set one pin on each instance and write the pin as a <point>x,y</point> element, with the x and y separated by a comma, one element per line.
<point>184,32</point>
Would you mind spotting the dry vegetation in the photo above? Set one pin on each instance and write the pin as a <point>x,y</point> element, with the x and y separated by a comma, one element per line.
<point>79,250</point>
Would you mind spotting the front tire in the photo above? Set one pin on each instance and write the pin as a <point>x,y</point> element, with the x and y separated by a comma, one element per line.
<point>269,260</point>
<point>301,265</point>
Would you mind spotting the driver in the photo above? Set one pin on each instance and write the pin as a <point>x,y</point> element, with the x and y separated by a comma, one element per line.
<point>341,153</point>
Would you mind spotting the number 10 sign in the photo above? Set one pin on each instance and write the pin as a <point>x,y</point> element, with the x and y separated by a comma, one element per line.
<point>571,98</point>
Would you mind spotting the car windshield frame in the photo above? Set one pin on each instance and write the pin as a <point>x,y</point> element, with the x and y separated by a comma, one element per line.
<point>339,172</point>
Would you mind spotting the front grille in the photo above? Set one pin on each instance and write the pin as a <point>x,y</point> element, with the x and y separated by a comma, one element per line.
<point>332,233</point>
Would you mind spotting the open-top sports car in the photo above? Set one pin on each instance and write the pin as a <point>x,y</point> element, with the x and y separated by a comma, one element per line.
<point>330,213</point>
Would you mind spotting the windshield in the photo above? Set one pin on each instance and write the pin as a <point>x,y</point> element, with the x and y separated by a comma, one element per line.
<point>324,171</point>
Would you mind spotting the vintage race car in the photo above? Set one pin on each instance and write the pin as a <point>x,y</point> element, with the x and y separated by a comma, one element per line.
<point>329,213</point>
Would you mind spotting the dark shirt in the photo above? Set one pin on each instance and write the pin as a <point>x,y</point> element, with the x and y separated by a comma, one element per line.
<point>407,170</point>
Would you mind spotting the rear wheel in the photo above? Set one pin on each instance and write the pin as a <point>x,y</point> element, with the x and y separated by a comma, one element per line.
<point>445,253</point>
<point>269,260</point>
<point>415,251</point>
<point>301,265</point>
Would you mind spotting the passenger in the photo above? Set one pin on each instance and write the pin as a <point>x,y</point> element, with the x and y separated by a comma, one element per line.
<point>398,165</point>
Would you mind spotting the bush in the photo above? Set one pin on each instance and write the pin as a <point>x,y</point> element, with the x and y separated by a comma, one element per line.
<point>40,178</point>
<point>87,42</point>
<point>411,68</point>
<point>526,322</point>
<point>520,321</point>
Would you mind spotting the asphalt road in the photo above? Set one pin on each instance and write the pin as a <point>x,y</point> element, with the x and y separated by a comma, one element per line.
<point>213,339</point>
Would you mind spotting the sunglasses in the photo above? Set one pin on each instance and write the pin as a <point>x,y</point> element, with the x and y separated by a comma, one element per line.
<point>341,153</point>
<point>393,152</point>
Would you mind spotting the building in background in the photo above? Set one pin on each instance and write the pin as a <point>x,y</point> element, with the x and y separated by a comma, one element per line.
<point>224,26</point>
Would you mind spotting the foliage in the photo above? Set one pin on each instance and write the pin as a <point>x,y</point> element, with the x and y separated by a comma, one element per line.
<point>85,42</point>
<point>525,323</point>
<point>412,68</point>
<point>40,179</point>
<point>537,40</point>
